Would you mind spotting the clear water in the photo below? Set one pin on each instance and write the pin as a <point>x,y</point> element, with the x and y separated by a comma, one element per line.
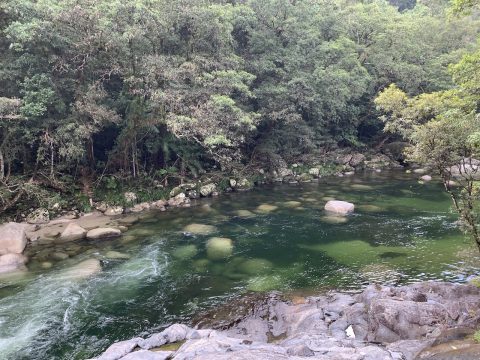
<point>402,232</point>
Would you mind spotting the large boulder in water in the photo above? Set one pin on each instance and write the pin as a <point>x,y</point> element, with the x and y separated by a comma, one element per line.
<point>12,238</point>
<point>339,207</point>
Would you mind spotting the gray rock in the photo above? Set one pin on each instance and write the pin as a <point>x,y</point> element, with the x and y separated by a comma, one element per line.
<point>174,333</point>
<point>73,232</point>
<point>119,350</point>
<point>39,216</point>
<point>12,238</point>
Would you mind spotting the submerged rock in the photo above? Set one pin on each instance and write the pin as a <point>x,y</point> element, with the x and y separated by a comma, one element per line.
<point>244,213</point>
<point>83,270</point>
<point>102,233</point>
<point>219,248</point>
<point>334,219</point>
<point>292,204</point>
<point>12,238</point>
<point>266,208</point>
<point>116,255</point>
<point>339,207</point>
<point>255,266</point>
<point>185,252</point>
<point>200,229</point>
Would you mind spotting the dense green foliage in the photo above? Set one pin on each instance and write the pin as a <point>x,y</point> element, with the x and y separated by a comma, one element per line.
<point>443,129</point>
<point>154,87</point>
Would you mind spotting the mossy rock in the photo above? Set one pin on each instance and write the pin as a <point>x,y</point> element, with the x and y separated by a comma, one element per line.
<point>185,252</point>
<point>200,229</point>
<point>219,248</point>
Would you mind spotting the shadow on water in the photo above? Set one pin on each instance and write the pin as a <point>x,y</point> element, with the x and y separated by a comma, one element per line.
<point>176,264</point>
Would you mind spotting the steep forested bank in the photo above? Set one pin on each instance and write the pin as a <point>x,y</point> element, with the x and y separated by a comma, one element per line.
<point>101,95</point>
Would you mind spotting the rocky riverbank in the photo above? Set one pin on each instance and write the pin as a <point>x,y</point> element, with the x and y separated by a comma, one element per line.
<point>421,321</point>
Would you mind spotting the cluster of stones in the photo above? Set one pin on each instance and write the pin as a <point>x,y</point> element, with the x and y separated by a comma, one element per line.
<point>382,323</point>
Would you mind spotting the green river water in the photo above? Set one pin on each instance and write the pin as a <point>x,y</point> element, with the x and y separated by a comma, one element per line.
<point>402,232</point>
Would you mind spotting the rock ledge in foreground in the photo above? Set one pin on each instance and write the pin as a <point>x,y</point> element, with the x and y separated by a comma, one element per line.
<point>381,323</point>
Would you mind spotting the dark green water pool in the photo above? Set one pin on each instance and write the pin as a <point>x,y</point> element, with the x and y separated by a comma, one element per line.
<point>273,238</point>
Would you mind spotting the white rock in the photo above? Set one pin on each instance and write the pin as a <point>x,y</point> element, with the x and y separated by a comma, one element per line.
<point>73,232</point>
<point>103,233</point>
<point>339,207</point>
<point>12,238</point>
<point>350,333</point>
<point>426,178</point>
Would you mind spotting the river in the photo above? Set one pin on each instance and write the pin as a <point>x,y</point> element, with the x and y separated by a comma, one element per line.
<point>280,239</point>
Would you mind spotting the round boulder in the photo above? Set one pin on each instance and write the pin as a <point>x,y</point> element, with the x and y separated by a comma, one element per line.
<point>339,207</point>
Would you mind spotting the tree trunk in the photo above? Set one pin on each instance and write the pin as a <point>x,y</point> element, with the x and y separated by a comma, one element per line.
<point>2,166</point>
